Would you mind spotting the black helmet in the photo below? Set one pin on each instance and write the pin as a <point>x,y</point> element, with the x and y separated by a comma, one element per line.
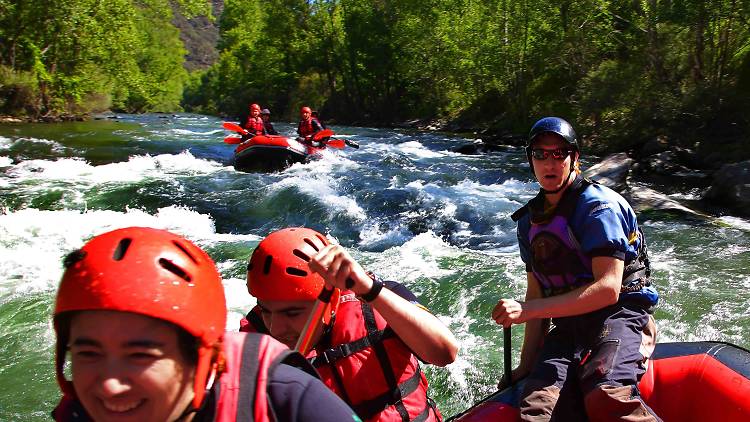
<point>554,125</point>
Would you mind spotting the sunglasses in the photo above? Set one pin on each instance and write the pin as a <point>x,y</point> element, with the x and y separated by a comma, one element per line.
<point>542,154</point>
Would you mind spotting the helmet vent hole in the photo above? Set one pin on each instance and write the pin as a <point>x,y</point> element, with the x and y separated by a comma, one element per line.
<point>296,271</point>
<point>312,244</point>
<point>73,257</point>
<point>322,239</point>
<point>174,269</point>
<point>267,265</point>
<point>303,256</point>
<point>122,249</point>
<point>185,251</point>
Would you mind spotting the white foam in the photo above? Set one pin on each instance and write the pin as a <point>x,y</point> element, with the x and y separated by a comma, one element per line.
<point>736,222</point>
<point>73,176</point>
<point>33,242</point>
<point>318,180</point>
<point>195,132</point>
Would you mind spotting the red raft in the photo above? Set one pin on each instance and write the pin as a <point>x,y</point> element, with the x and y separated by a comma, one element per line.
<point>688,381</point>
<point>272,153</point>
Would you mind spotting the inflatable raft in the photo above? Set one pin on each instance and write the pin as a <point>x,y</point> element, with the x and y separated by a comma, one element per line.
<point>688,381</point>
<point>272,153</point>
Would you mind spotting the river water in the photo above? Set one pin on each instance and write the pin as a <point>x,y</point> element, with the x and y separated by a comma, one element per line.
<point>405,205</point>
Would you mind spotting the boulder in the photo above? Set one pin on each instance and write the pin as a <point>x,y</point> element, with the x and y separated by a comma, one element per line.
<point>731,187</point>
<point>612,171</point>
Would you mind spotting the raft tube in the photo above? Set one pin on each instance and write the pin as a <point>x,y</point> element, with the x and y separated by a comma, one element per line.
<point>686,381</point>
<point>271,153</point>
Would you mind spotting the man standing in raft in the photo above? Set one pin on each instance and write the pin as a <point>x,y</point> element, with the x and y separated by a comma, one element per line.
<point>141,313</point>
<point>308,125</point>
<point>371,336</point>
<point>588,271</point>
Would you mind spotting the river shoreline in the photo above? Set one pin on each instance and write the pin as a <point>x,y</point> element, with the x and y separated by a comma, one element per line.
<point>656,162</point>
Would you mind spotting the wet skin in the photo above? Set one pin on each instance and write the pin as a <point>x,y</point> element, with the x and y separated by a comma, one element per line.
<point>128,367</point>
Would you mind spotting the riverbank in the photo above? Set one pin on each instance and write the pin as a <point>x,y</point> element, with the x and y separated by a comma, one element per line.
<point>716,171</point>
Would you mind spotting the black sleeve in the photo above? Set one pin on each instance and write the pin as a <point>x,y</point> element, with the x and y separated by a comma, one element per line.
<point>317,126</point>
<point>296,396</point>
<point>400,290</point>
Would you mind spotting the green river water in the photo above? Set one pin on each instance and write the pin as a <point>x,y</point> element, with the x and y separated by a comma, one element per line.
<point>406,205</point>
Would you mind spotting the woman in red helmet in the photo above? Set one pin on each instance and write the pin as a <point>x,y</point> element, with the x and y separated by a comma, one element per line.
<point>140,314</point>
<point>308,125</point>
<point>254,123</point>
<point>370,339</point>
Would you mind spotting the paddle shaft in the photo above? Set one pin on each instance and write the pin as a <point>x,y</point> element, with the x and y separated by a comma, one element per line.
<point>507,356</point>
<point>304,342</point>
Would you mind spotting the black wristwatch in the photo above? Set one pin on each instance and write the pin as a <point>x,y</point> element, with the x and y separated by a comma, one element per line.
<point>377,286</point>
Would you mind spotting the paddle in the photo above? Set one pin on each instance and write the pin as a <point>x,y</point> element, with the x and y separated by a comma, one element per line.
<point>333,143</point>
<point>234,140</point>
<point>351,144</point>
<point>325,133</point>
<point>506,357</point>
<point>234,127</point>
<point>304,342</point>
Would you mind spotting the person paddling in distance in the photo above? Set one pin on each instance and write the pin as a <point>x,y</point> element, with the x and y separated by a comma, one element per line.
<point>254,124</point>
<point>588,272</point>
<point>265,114</point>
<point>141,313</point>
<point>308,126</point>
<point>370,339</point>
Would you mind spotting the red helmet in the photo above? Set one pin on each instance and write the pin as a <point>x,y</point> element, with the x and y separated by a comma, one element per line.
<point>254,107</point>
<point>278,268</point>
<point>305,109</point>
<point>149,272</point>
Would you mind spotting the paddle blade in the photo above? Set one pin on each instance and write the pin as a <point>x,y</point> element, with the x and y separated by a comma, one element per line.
<point>233,140</point>
<point>351,144</point>
<point>325,133</point>
<point>234,127</point>
<point>335,143</point>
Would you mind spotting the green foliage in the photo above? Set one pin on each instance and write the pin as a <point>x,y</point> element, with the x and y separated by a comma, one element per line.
<point>86,55</point>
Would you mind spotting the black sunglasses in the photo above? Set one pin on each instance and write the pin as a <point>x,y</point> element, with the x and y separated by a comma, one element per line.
<point>542,154</point>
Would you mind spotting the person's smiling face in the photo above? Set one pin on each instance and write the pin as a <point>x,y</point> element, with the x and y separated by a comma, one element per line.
<point>551,172</point>
<point>129,367</point>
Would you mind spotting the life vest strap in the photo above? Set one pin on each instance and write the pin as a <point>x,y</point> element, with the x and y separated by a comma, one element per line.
<point>370,408</point>
<point>330,356</point>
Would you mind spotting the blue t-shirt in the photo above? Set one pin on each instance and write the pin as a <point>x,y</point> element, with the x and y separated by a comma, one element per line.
<point>603,223</point>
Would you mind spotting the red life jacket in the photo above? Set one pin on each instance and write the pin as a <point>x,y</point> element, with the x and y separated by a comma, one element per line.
<point>255,126</point>
<point>367,365</point>
<point>307,127</point>
<point>363,347</point>
<point>249,358</point>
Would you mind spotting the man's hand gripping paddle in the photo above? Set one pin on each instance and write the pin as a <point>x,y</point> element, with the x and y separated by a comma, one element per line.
<point>317,314</point>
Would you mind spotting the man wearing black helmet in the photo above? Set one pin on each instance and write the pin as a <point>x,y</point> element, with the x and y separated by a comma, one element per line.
<point>588,274</point>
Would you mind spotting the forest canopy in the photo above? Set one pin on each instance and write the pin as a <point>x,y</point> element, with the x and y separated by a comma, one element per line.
<point>624,70</point>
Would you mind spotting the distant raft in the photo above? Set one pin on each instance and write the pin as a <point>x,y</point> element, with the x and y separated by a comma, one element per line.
<point>272,153</point>
<point>686,381</point>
